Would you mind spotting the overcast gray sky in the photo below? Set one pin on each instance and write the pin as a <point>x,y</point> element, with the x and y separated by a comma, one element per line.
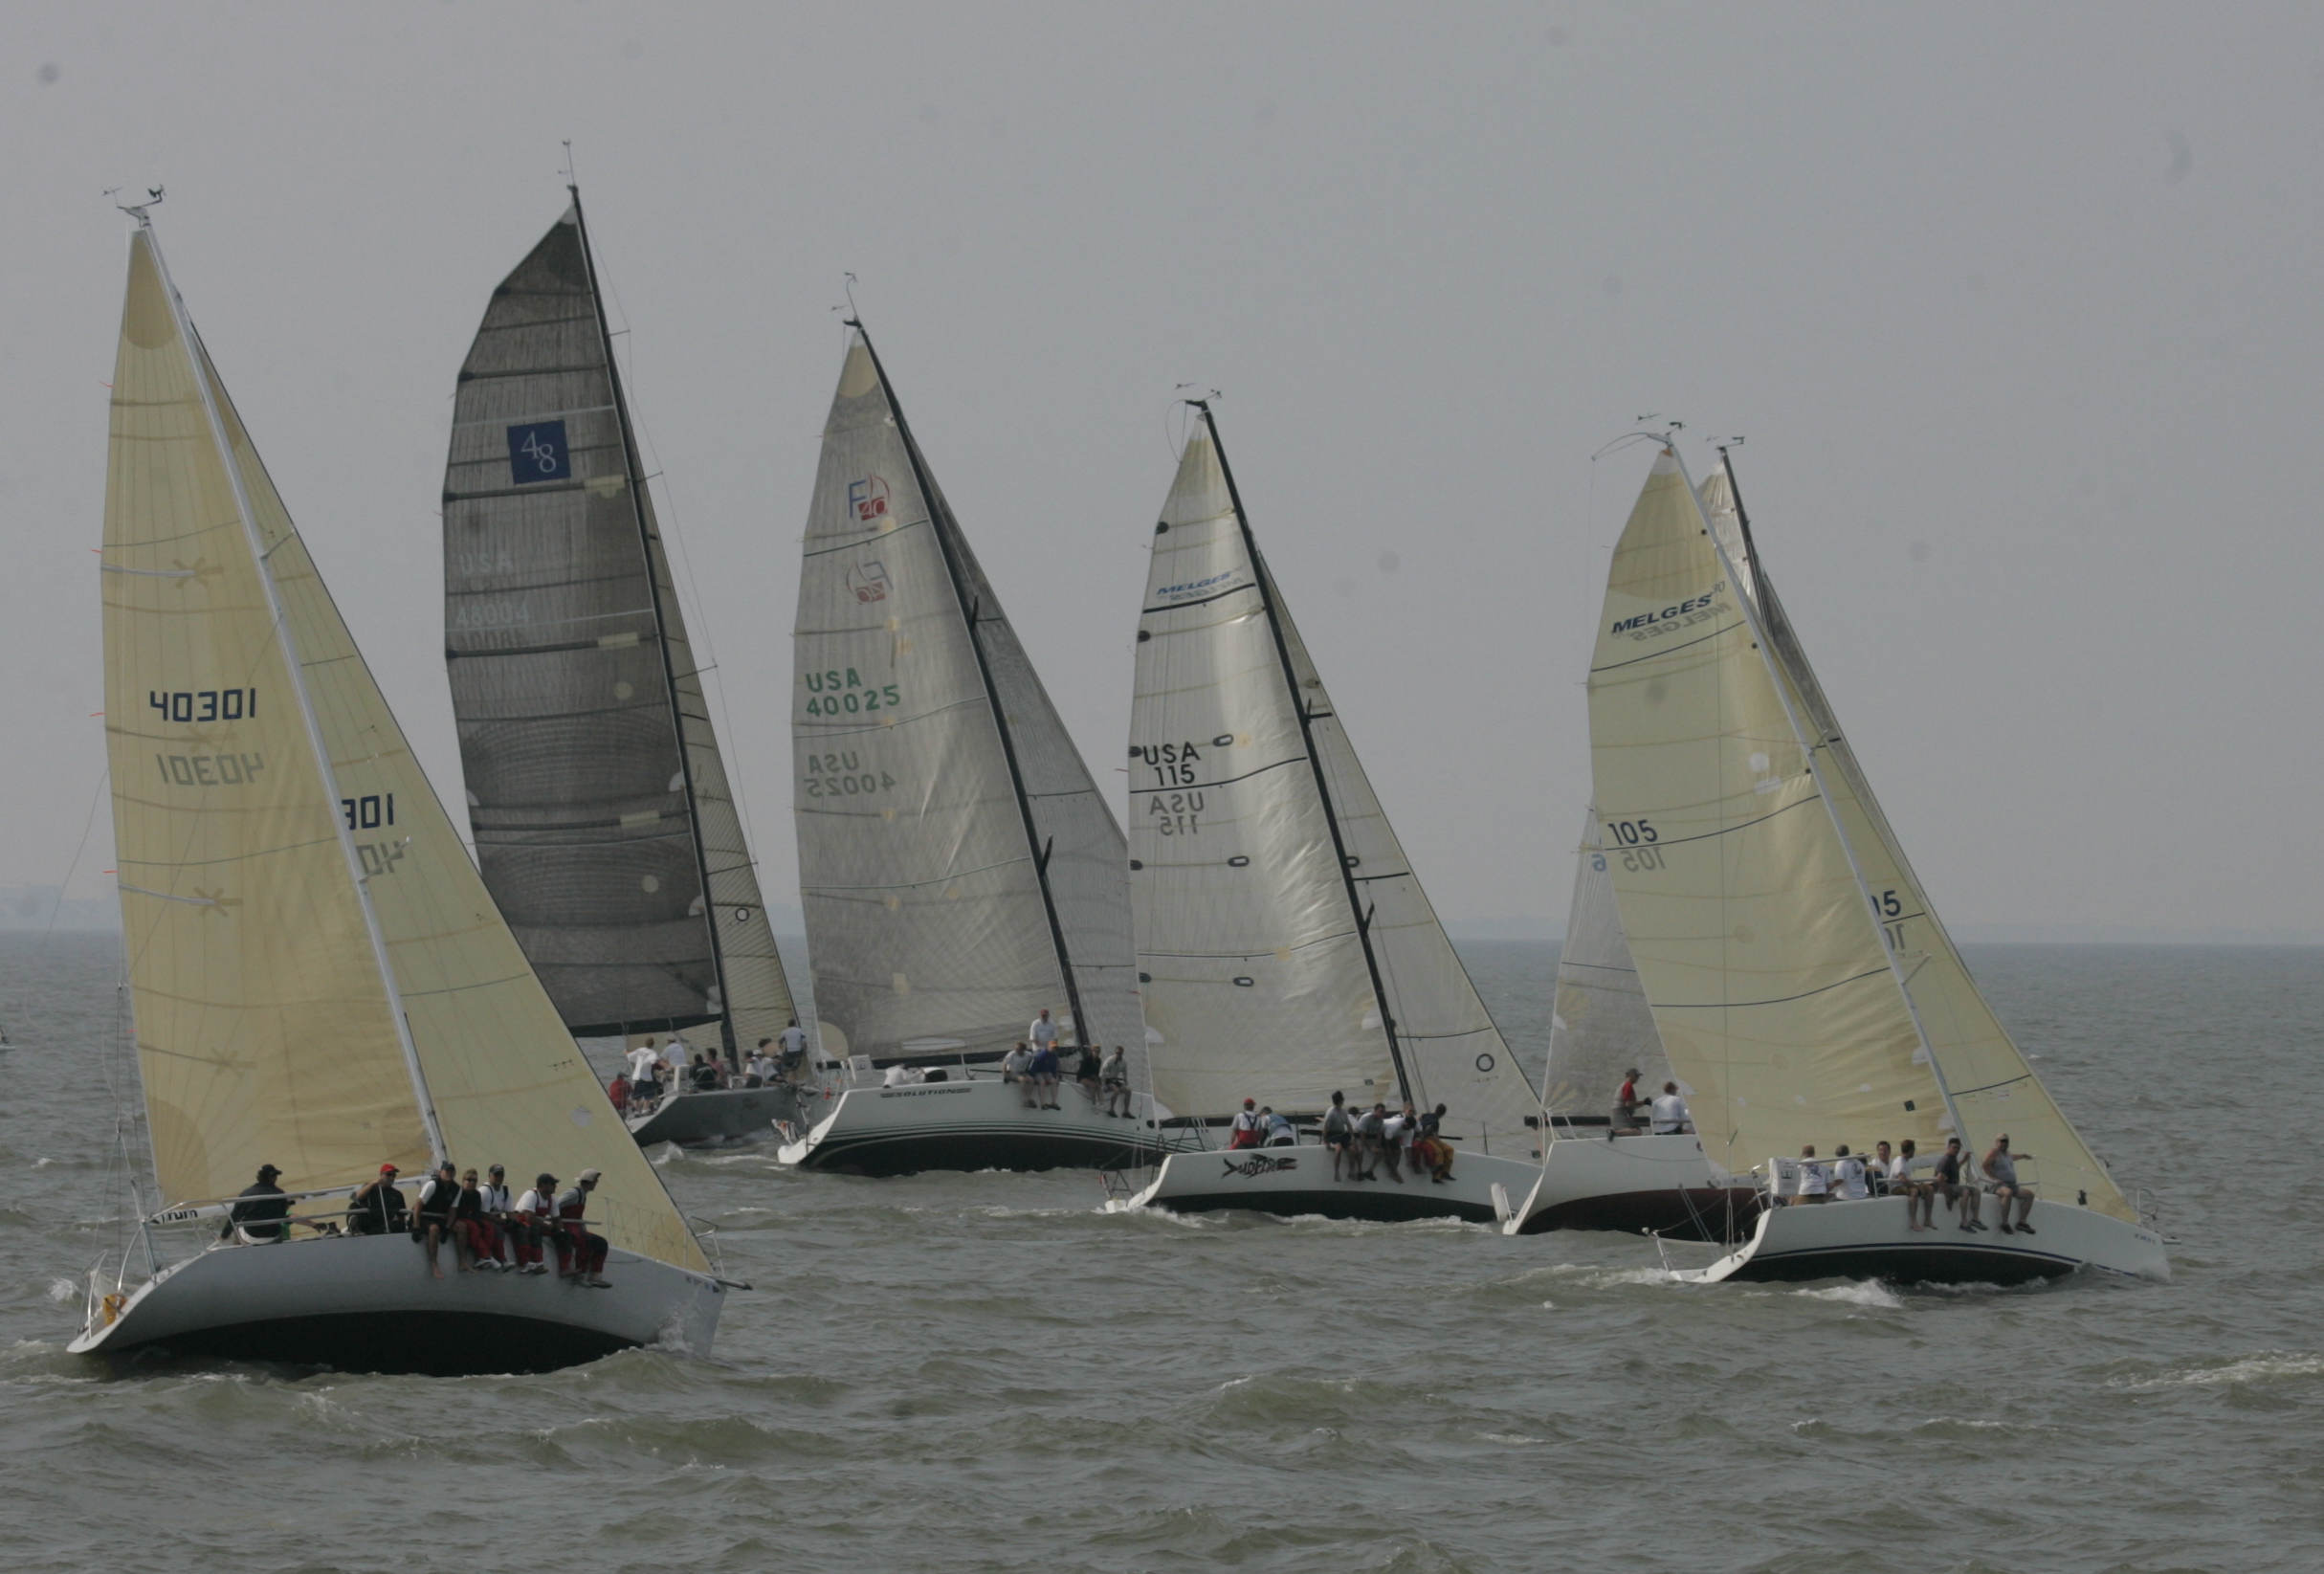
<point>2017,307</point>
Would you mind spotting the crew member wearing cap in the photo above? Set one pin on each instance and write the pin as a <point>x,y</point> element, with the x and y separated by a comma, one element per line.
<point>378,1208</point>
<point>501,1212</point>
<point>434,1223</point>
<point>580,1256</point>
<point>536,1217</point>
<point>260,1220</point>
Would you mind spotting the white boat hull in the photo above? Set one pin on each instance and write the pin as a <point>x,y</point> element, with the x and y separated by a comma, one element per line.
<point>368,1303</point>
<point>1871,1239</point>
<point>1297,1180</point>
<point>728,1115</point>
<point>982,1123</point>
<point>1658,1184</point>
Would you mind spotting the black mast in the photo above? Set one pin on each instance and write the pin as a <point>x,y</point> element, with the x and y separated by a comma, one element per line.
<point>971,611</point>
<point>653,588</point>
<point>1742,517</point>
<point>1307,733</point>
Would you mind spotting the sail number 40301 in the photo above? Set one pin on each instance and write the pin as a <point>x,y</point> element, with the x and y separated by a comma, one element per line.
<point>203,704</point>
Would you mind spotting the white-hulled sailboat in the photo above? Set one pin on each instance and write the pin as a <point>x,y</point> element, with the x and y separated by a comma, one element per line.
<point>319,980</point>
<point>603,821</point>
<point>958,869</point>
<point>1285,948</point>
<point>1599,1170</point>
<point>1798,978</point>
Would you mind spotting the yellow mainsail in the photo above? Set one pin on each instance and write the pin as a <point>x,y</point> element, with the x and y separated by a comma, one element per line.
<point>290,885</point>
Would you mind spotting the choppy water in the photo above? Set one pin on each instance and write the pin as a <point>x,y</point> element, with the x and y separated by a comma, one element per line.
<point>985,1372</point>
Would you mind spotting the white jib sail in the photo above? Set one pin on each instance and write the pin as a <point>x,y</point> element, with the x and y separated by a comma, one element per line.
<point>1600,1026</point>
<point>935,916</point>
<point>1251,959</point>
<point>267,1027</point>
<point>1990,1084</point>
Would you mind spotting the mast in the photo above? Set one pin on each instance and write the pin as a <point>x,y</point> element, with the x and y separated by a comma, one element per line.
<point>653,588</point>
<point>1315,761</point>
<point>1783,693</point>
<point>1742,515</point>
<point>297,672</point>
<point>1008,743</point>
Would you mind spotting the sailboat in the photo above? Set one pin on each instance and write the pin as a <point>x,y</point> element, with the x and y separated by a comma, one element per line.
<point>319,980</point>
<point>1286,950</point>
<point>1800,980</point>
<point>1597,1174</point>
<point>604,820</point>
<point>959,872</point>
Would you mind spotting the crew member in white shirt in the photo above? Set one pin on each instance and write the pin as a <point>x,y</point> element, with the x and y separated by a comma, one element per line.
<point>1013,1067</point>
<point>1849,1170</point>
<point>794,1040</point>
<point>1042,1033</point>
<point>1671,1112</point>
<point>1815,1181</point>
<point>537,1215</point>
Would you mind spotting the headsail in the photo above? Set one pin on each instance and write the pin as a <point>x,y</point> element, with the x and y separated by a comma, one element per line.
<point>1600,1026</point>
<point>1275,905</point>
<point>1758,906</point>
<point>958,868</point>
<point>1991,1085</point>
<point>268,813</point>
<point>600,804</point>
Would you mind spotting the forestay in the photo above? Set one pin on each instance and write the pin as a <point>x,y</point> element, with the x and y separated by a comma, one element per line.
<point>958,869</point>
<point>603,816</point>
<point>1252,943</point>
<point>1990,1084</point>
<point>1600,1026</point>
<point>264,799</point>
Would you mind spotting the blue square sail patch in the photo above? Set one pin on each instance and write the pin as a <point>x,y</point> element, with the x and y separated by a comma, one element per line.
<point>537,452</point>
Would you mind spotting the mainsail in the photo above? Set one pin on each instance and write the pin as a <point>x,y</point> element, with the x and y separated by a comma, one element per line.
<point>1277,911</point>
<point>320,979</point>
<point>958,869</point>
<point>1783,945</point>
<point>1600,1026</point>
<point>603,817</point>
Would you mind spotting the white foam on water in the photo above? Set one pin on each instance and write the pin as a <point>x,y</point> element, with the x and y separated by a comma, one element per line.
<point>1857,1295</point>
<point>63,1290</point>
<point>2274,1366</point>
<point>1511,1438</point>
<point>42,1164</point>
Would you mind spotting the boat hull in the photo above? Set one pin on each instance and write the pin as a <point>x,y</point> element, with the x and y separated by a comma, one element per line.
<point>1871,1239</point>
<point>976,1124</point>
<point>728,1115</point>
<point>368,1303</point>
<point>1294,1182</point>
<point>1638,1184</point>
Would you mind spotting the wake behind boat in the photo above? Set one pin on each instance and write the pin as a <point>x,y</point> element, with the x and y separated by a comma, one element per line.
<point>1798,977</point>
<point>320,982</point>
<point>962,876</point>
<point>1286,951</point>
<point>604,819</point>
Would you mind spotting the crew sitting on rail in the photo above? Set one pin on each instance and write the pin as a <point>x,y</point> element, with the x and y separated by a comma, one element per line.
<point>472,1229</point>
<point>575,1244</point>
<point>378,1208</point>
<point>2000,1169</point>
<point>537,1218</point>
<point>252,1218</point>
<point>1114,1076</point>
<point>432,1221</point>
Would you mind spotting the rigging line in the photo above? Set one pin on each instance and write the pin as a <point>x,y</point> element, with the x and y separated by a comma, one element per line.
<point>73,867</point>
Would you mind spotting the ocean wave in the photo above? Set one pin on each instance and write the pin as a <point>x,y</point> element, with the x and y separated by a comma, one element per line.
<point>2272,1366</point>
<point>1863,1293</point>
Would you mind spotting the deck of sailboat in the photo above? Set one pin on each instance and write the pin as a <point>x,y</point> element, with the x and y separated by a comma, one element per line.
<point>1871,1238</point>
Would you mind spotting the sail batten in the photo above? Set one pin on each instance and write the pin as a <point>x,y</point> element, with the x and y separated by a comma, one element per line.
<point>580,703</point>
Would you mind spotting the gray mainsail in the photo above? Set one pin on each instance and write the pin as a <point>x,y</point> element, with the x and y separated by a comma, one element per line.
<point>958,869</point>
<point>603,821</point>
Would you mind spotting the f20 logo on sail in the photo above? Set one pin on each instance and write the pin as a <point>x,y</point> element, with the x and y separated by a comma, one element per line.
<point>536,451</point>
<point>869,581</point>
<point>868,500</point>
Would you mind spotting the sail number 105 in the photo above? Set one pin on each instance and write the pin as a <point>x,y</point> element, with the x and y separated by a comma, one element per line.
<point>1633,832</point>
